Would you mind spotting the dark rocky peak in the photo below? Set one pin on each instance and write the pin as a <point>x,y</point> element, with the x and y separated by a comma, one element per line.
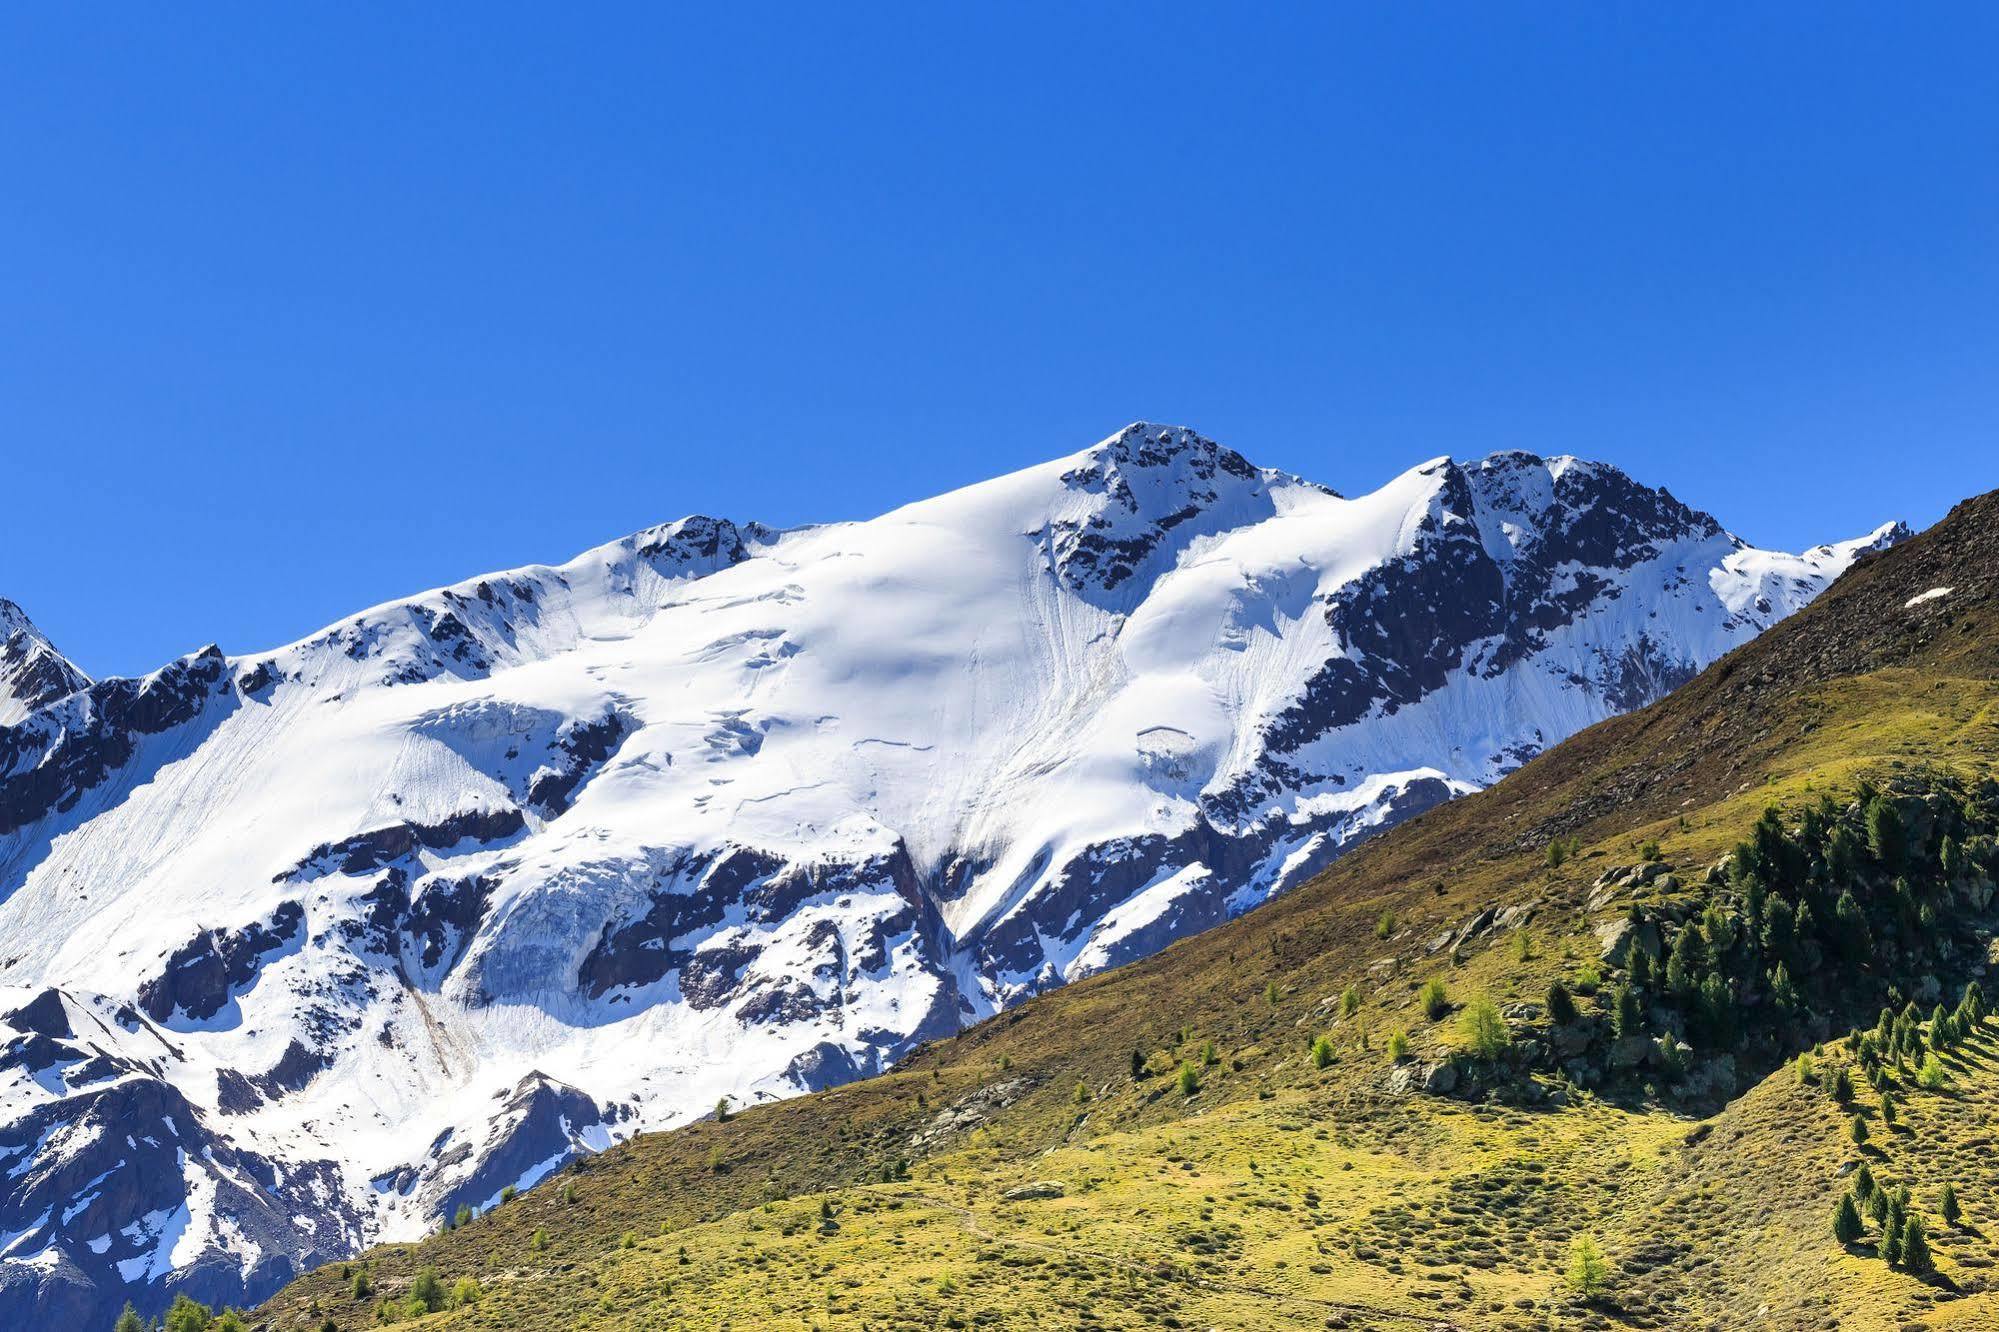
<point>699,544</point>
<point>1155,470</point>
<point>539,1127</point>
<point>1565,510</point>
<point>1145,493</point>
<point>49,760</point>
<point>32,673</point>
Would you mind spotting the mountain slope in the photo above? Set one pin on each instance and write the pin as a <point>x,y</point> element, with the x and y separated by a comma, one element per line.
<point>313,947</point>
<point>1031,1170</point>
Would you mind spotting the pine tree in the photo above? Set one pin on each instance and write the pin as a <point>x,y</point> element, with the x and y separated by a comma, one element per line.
<point>187,1315</point>
<point>1857,1130</point>
<point>1778,929</point>
<point>1717,1010</point>
<point>1683,964</point>
<point>1889,1246</point>
<point>1271,994</point>
<point>1887,1110</point>
<point>129,1321</point>
<point>1137,1064</point>
<point>1855,940</point>
<point>1947,1205</point>
<point>1671,1062</point>
<point>1561,1005</point>
<point>1846,1225</point>
<point>1842,1086</point>
<point>1886,838</point>
<point>1916,1248</point>
<point>1639,968</point>
<point>1624,1016</point>
<point>1863,1182</point>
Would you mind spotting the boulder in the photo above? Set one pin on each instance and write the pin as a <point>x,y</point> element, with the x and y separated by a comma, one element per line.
<point>1041,1188</point>
<point>1570,1039</point>
<point>1629,1051</point>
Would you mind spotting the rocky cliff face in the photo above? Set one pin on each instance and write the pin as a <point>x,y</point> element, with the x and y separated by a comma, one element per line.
<point>32,673</point>
<point>315,945</point>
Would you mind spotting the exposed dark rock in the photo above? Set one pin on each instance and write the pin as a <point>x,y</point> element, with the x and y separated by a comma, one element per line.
<point>201,974</point>
<point>49,761</point>
<point>367,851</point>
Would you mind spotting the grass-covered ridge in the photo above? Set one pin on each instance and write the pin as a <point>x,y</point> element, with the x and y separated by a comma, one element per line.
<point>1234,1133</point>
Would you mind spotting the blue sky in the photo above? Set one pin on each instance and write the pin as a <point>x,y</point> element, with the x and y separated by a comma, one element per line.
<point>306,307</point>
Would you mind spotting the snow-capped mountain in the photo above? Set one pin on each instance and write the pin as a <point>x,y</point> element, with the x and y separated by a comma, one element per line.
<point>309,947</point>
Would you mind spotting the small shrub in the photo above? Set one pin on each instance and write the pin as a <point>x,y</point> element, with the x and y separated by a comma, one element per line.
<point>1384,924</point>
<point>1349,1001</point>
<point>1435,997</point>
<point>465,1293</point>
<point>1189,1081</point>
<point>1482,1029</point>
<point>1932,1076</point>
<point>539,1241</point>
<point>1589,1270</point>
<point>427,1290</point>
<point>1398,1045</point>
<point>1322,1052</point>
<point>1649,851</point>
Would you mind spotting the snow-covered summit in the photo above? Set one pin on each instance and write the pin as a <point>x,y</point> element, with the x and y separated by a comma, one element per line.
<point>375,923</point>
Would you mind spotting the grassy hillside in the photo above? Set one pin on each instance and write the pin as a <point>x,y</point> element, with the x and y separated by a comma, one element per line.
<point>1232,1134</point>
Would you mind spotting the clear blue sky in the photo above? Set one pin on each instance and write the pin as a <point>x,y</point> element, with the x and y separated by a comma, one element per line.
<point>305,307</point>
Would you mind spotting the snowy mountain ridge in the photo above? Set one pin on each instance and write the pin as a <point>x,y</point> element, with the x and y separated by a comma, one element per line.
<point>307,948</point>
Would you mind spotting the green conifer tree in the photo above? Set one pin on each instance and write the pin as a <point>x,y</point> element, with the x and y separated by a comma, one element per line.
<point>1846,1225</point>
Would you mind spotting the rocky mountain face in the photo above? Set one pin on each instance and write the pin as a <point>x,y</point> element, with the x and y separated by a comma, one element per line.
<point>32,672</point>
<point>311,947</point>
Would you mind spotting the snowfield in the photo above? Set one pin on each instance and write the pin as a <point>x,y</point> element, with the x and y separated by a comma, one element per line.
<point>305,948</point>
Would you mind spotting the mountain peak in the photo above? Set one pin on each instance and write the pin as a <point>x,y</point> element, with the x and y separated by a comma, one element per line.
<point>32,673</point>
